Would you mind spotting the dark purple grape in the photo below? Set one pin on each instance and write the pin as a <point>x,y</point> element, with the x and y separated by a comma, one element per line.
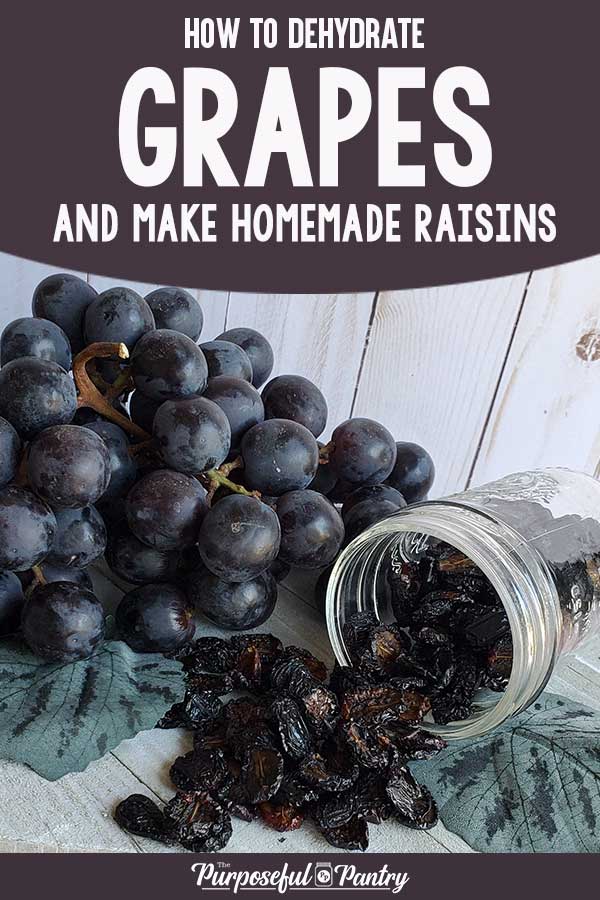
<point>373,492</point>
<point>165,509</point>
<point>53,573</point>
<point>296,398</point>
<point>226,358</point>
<point>155,618</point>
<point>123,468</point>
<point>312,530</point>
<point>279,456</point>
<point>11,603</point>
<point>193,435</point>
<point>413,473</point>
<point>167,365</point>
<point>177,310</point>
<point>142,410</point>
<point>364,452</point>
<point>62,622</point>
<point>27,528</point>
<point>258,349</point>
<point>63,299</point>
<point>231,605</point>
<point>366,513</point>
<point>239,538</point>
<point>136,562</point>
<point>69,466</point>
<point>35,337</point>
<point>35,394</point>
<point>241,403</point>
<point>10,452</point>
<point>80,537</point>
<point>119,315</point>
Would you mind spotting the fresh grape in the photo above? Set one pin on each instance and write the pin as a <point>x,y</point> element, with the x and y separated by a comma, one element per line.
<point>241,403</point>
<point>63,622</point>
<point>35,394</point>
<point>177,310</point>
<point>296,398</point>
<point>257,348</point>
<point>10,451</point>
<point>123,468</point>
<point>233,606</point>
<point>312,530</point>
<point>11,603</point>
<point>53,573</point>
<point>69,466</point>
<point>239,538</point>
<point>80,537</point>
<point>35,337</point>
<point>366,513</point>
<point>118,315</point>
<point>63,299</point>
<point>413,473</point>
<point>142,410</point>
<point>27,528</point>
<point>136,562</point>
<point>326,478</point>
<point>279,456</point>
<point>373,492</point>
<point>167,365</point>
<point>193,435</point>
<point>226,358</point>
<point>155,618</point>
<point>364,452</point>
<point>165,509</point>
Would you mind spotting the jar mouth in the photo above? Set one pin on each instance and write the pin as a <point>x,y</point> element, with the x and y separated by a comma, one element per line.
<point>514,568</point>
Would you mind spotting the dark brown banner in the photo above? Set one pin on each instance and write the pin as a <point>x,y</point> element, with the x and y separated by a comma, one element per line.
<point>411,876</point>
<point>377,146</point>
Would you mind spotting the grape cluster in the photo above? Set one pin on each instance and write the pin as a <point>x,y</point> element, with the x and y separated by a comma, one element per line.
<point>122,437</point>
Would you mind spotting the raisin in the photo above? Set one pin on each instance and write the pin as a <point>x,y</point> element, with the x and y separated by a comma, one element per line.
<point>357,632</point>
<point>499,664</point>
<point>384,704</point>
<point>485,627</point>
<point>199,823</point>
<point>413,804</point>
<point>140,815</point>
<point>354,835</point>
<point>333,812</point>
<point>436,607</point>
<point>385,647</point>
<point>199,770</point>
<point>316,668</point>
<point>364,743</point>
<point>455,703</point>
<point>195,711</point>
<point>293,732</point>
<point>346,678</point>
<point>318,772</point>
<point>281,816</point>
<point>454,561</point>
<point>209,654</point>
<point>218,684</point>
<point>371,801</point>
<point>416,743</point>
<point>262,773</point>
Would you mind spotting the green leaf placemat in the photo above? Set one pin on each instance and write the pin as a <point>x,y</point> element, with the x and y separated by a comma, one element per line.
<point>531,786</point>
<point>57,718</point>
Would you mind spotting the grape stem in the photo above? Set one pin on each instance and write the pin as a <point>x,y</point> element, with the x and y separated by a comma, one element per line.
<point>325,452</point>
<point>39,575</point>
<point>216,478</point>
<point>90,396</point>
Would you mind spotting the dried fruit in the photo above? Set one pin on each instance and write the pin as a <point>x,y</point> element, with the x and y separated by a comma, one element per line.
<point>198,822</point>
<point>281,816</point>
<point>140,815</point>
<point>354,835</point>
<point>262,773</point>
<point>413,804</point>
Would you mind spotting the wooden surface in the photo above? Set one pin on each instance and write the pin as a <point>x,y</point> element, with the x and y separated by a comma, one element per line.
<point>491,377</point>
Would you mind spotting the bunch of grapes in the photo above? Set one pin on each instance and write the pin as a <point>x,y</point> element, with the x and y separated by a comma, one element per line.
<point>122,436</point>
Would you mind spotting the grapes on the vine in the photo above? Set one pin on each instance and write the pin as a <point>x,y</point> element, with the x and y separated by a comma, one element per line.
<point>165,509</point>
<point>241,403</point>
<point>239,538</point>
<point>35,394</point>
<point>80,537</point>
<point>168,365</point>
<point>296,398</point>
<point>63,622</point>
<point>155,618</point>
<point>257,348</point>
<point>233,606</point>
<point>64,299</point>
<point>312,530</point>
<point>177,310</point>
<point>363,451</point>
<point>226,358</point>
<point>69,466</point>
<point>193,435</point>
<point>279,456</point>
<point>35,337</point>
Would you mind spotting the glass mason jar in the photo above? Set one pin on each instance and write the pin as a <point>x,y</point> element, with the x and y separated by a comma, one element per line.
<point>536,537</point>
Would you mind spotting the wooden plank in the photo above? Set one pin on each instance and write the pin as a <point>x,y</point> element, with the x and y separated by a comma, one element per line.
<point>18,280</point>
<point>432,365</point>
<point>546,409</point>
<point>319,336</point>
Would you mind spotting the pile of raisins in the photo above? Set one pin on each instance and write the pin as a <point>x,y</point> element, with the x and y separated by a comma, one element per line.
<point>291,745</point>
<point>451,636</point>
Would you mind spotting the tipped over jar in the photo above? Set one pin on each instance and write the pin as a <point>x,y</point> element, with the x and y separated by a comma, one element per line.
<point>504,579</point>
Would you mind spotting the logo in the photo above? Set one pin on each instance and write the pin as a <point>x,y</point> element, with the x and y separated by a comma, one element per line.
<point>323,874</point>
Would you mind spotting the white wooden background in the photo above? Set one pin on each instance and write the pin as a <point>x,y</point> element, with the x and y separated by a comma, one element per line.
<point>491,377</point>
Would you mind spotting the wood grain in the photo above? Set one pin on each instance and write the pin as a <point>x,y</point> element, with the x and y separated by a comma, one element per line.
<point>432,365</point>
<point>318,336</point>
<point>546,409</point>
